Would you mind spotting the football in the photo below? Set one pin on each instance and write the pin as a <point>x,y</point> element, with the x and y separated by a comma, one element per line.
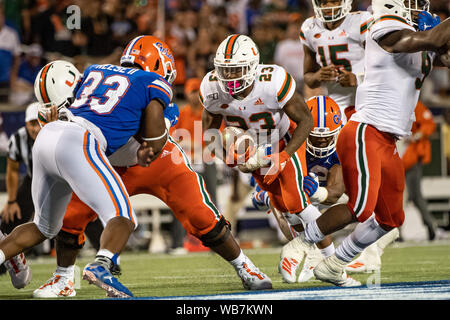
<point>237,136</point>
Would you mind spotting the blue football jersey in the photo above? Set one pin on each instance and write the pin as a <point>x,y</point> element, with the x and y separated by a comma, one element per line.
<point>114,98</point>
<point>321,166</point>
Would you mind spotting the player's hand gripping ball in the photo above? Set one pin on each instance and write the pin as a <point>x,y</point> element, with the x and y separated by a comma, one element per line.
<point>238,144</point>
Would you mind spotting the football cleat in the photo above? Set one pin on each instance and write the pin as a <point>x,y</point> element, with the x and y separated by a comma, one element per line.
<point>56,287</point>
<point>369,261</point>
<point>291,256</point>
<point>95,273</point>
<point>288,269</point>
<point>312,259</point>
<point>252,278</point>
<point>19,271</point>
<point>331,269</point>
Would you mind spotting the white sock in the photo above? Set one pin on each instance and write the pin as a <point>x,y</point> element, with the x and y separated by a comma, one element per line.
<point>2,257</point>
<point>67,272</point>
<point>239,260</point>
<point>309,214</point>
<point>363,236</point>
<point>114,257</point>
<point>328,251</point>
<point>313,233</point>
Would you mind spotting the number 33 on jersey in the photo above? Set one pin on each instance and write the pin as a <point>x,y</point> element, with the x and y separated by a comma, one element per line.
<point>107,90</point>
<point>262,109</point>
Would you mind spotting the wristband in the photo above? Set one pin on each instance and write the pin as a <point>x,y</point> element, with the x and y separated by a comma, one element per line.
<point>11,202</point>
<point>156,138</point>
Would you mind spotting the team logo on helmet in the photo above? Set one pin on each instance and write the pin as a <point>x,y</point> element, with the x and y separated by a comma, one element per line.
<point>327,123</point>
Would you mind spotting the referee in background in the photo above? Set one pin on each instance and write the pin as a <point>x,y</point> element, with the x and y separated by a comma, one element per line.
<point>19,208</point>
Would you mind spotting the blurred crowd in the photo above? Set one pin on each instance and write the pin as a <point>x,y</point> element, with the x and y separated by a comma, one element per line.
<point>91,31</point>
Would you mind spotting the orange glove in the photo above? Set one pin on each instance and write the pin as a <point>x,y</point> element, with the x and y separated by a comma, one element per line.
<point>233,159</point>
<point>279,161</point>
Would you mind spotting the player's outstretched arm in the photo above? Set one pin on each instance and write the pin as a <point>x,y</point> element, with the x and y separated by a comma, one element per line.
<point>406,40</point>
<point>298,111</point>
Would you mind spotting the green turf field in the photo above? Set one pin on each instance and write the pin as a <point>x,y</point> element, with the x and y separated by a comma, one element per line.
<point>160,275</point>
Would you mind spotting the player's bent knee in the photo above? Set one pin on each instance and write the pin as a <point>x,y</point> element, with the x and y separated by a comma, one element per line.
<point>70,241</point>
<point>218,235</point>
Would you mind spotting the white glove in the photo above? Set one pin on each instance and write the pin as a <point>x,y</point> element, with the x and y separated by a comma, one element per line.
<point>258,159</point>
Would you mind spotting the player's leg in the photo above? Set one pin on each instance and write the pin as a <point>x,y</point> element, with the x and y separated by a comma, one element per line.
<point>69,241</point>
<point>362,151</point>
<point>185,193</point>
<point>17,266</point>
<point>299,211</point>
<point>97,184</point>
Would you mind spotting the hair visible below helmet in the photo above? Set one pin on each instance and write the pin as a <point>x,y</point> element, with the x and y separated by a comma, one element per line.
<point>236,54</point>
<point>55,84</point>
<point>150,54</point>
<point>326,124</point>
<point>337,12</point>
<point>391,7</point>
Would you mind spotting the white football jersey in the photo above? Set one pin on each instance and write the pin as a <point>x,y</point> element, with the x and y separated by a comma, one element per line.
<point>343,46</point>
<point>390,91</point>
<point>261,110</point>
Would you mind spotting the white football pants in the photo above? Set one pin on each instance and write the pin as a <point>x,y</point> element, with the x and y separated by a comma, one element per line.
<point>66,158</point>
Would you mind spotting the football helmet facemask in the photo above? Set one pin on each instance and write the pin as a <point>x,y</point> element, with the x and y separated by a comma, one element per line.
<point>236,60</point>
<point>331,13</point>
<point>327,123</point>
<point>150,54</point>
<point>415,7</point>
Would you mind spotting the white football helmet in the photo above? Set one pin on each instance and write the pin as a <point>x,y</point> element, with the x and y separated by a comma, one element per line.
<point>55,84</point>
<point>235,63</point>
<point>337,12</point>
<point>391,7</point>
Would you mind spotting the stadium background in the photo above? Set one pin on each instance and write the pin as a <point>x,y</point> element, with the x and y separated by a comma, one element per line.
<point>96,31</point>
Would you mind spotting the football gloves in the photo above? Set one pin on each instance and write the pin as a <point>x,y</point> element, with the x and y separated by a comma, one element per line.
<point>279,161</point>
<point>427,21</point>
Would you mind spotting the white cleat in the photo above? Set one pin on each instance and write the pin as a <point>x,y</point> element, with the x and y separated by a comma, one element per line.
<point>291,256</point>
<point>56,287</point>
<point>369,261</point>
<point>288,269</point>
<point>19,271</point>
<point>312,259</point>
<point>252,278</point>
<point>331,270</point>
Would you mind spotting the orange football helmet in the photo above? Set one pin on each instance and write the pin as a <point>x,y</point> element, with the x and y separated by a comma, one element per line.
<point>151,54</point>
<point>327,123</point>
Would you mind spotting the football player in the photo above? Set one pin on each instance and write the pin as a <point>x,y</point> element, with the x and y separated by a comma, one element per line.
<point>187,198</point>
<point>397,60</point>
<point>324,185</point>
<point>260,99</point>
<point>333,41</point>
<point>70,155</point>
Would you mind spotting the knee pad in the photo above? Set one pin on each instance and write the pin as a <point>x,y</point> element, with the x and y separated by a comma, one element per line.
<point>218,235</point>
<point>69,240</point>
